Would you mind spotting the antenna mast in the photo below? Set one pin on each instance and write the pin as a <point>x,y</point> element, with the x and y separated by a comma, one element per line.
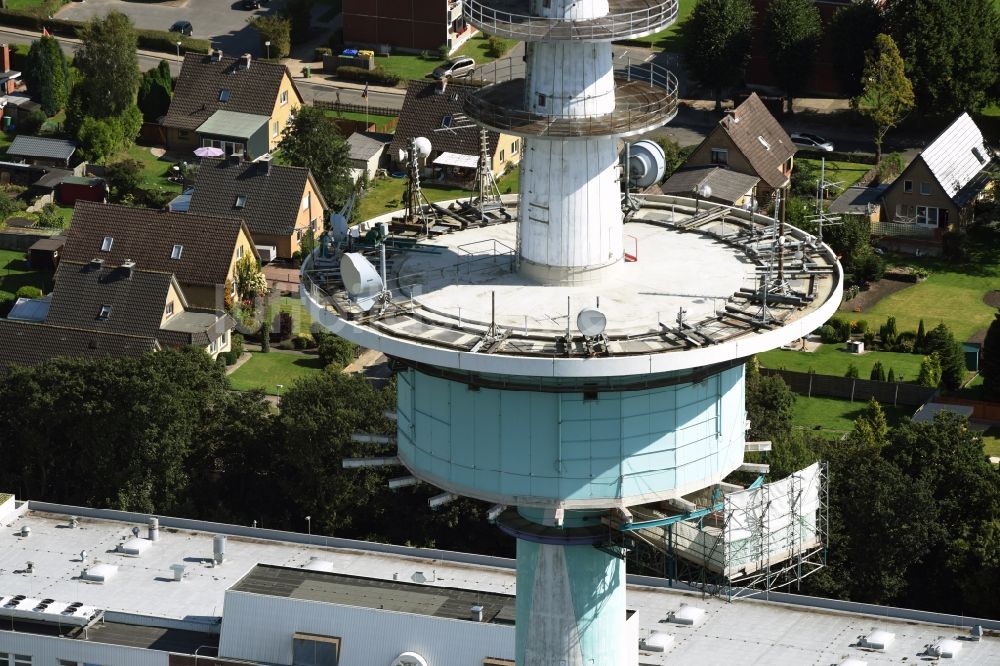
<point>486,185</point>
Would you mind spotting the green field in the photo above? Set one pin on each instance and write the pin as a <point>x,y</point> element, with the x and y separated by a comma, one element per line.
<point>832,416</point>
<point>36,7</point>
<point>15,273</point>
<point>991,441</point>
<point>381,123</point>
<point>386,194</point>
<point>845,173</point>
<point>669,39</point>
<point>268,371</point>
<point>413,66</point>
<point>154,169</point>
<point>833,360</point>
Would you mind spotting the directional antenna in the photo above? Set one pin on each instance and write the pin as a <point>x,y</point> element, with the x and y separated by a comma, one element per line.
<point>591,322</point>
<point>361,279</point>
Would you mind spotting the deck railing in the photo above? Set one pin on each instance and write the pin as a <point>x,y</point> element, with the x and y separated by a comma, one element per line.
<point>510,18</point>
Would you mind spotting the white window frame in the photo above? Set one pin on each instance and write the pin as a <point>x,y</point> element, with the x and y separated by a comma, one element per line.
<point>177,252</point>
<point>283,98</point>
<point>239,252</point>
<point>274,128</point>
<point>169,310</point>
<point>927,219</point>
<point>107,244</point>
<point>307,201</point>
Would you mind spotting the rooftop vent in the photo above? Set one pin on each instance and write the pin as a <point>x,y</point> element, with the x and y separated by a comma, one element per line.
<point>219,548</point>
<point>476,613</point>
<point>128,265</point>
<point>134,547</point>
<point>944,648</point>
<point>878,640</point>
<point>99,573</point>
<point>976,633</point>
<point>687,615</point>
<point>154,528</point>
<point>217,55</point>
<point>25,531</point>
<point>245,61</point>
<point>657,641</point>
<point>178,570</point>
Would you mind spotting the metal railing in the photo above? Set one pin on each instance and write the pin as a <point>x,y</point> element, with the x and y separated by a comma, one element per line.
<point>510,18</point>
<point>645,98</point>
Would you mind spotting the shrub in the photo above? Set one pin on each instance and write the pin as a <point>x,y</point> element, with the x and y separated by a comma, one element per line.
<point>378,76</point>
<point>236,344</point>
<point>495,46</point>
<point>275,29</point>
<point>860,326</point>
<point>166,42</point>
<point>6,303</point>
<point>852,371</point>
<point>303,341</point>
<point>49,217</point>
<point>868,268</point>
<point>828,334</point>
<point>321,51</point>
<point>124,176</point>
<point>336,351</point>
<point>869,338</point>
<point>32,122</point>
<point>443,52</point>
<point>28,291</point>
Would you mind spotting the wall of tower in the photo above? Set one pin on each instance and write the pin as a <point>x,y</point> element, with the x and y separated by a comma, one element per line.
<point>571,449</point>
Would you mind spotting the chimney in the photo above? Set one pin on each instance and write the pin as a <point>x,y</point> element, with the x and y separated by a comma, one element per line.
<point>217,55</point>
<point>245,61</point>
<point>443,87</point>
<point>476,613</point>
<point>127,266</point>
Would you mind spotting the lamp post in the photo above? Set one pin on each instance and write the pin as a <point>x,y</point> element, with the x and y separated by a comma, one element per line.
<point>178,49</point>
<point>309,525</point>
<point>268,45</point>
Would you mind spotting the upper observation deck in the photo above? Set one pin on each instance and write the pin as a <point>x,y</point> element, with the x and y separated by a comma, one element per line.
<point>645,99</point>
<point>692,298</point>
<point>625,19</point>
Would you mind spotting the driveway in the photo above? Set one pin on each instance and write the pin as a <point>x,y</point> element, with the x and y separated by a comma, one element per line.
<point>224,22</point>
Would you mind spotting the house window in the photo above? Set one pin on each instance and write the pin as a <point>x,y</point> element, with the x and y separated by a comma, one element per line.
<point>306,201</point>
<point>720,156</point>
<point>224,95</point>
<point>274,128</point>
<point>239,252</point>
<point>313,650</point>
<point>908,186</point>
<point>501,156</point>
<point>177,252</point>
<point>241,201</point>
<point>104,313</point>
<point>515,146</point>
<point>925,189</point>
<point>284,97</point>
<point>298,234</point>
<point>169,311</point>
<point>213,346</point>
<point>927,215</point>
<point>182,134</point>
<point>107,243</point>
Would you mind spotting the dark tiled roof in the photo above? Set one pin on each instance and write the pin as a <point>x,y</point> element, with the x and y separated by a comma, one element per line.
<point>148,237</point>
<point>747,125</point>
<point>39,146</point>
<point>25,343</point>
<point>197,93</point>
<point>136,300</point>
<point>423,110</point>
<point>857,200</point>
<point>727,186</point>
<point>273,193</point>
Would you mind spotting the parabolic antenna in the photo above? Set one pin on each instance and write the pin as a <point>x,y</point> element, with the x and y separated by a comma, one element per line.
<point>338,225</point>
<point>361,280</point>
<point>423,146</point>
<point>591,322</point>
<point>409,659</point>
<point>646,163</point>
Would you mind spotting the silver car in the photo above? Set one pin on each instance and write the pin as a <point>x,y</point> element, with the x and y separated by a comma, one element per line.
<point>814,141</point>
<point>455,68</point>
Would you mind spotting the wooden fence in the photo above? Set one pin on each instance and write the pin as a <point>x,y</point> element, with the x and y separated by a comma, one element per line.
<point>859,390</point>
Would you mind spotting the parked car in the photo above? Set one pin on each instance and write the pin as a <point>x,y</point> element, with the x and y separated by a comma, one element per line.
<point>814,141</point>
<point>183,27</point>
<point>453,68</point>
<point>251,4</point>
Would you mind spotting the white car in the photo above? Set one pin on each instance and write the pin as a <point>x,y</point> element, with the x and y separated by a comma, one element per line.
<point>454,68</point>
<point>814,141</point>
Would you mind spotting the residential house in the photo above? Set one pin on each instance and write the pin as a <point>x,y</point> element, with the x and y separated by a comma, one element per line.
<point>236,104</point>
<point>128,300</point>
<point>434,110</point>
<point>749,140</point>
<point>721,185</point>
<point>367,150</point>
<point>939,188</point>
<point>280,204</point>
<point>201,251</point>
<point>29,343</point>
<point>8,77</point>
<point>392,25</point>
<point>41,151</point>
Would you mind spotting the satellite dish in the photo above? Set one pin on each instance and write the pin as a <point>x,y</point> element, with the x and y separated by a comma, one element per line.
<point>409,659</point>
<point>402,155</point>
<point>423,146</point>
<point>338,225</point>
<point>647,163</point>
<point>591,322</point>
<point>361,280</point>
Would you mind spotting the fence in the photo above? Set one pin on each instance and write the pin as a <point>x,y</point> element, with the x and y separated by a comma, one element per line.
<point>981,410</point>
<point>342,107</point>
<point>847,388</point>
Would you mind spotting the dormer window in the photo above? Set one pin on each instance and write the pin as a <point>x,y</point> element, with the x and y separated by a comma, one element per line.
<point>764,143</point>
<point>176,252</point>
<point>224,95</point>
<point>107,243</point>
<point>241,201</point>
<point>104,313</point>
<point>447,122</point>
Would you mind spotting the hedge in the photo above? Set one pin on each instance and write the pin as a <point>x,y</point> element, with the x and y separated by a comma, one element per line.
<point>835,156</point>
<point>149,40</point>
<point>377,76</point>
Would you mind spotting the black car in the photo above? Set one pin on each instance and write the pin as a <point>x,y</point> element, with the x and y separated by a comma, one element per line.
<point>183,27</point>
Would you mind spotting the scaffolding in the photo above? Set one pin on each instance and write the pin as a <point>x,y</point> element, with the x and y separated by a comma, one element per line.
<point>765,537</point>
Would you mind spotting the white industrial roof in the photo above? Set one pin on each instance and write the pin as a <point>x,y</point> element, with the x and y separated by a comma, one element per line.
<point>457,160</point>
<point>957,156</point>
<point>744,632</point>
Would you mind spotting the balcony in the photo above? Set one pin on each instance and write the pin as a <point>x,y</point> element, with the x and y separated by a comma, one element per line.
<point>645,98</point>
<point>625,19</point>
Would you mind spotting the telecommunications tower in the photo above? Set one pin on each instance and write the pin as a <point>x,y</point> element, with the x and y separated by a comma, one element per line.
<point>546,369</point>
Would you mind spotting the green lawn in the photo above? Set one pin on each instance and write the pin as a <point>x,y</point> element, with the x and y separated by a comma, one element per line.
<point>413,66</point>
<point>845,173</point>
<point>15,273</point>
<point>381,122</point>
<point>268,371</point>
<point>36,7</point>
<point>991,441</point>
<point>669,39</point>
<point>154,169</point>
<point>833,360</point>
<point>832,416</point>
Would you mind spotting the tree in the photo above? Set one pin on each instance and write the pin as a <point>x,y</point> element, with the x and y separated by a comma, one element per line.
<point>891,377</point>
<point>878,372</point>
<point>852,371</point>
<point>124,176</point>
<point>155,90</point>
<point>717,38</point>
<point>108,64</point>
<point>886,94</point>
<point>32,122</point>
<point>673,153</point>
<point>769,405</point>
<point>930,371</point>
<point>950,51</point>
<point>990,366</point>
<point>335,350</point>
<point>312,141</point>
<point>941,341</point>
<point>853,29</point>
<point>920,341</point>
<point>250,280</point>
<point>793,31</point>
<point>275,29</point>
<point>47,75</point>
<point>265,334</point>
